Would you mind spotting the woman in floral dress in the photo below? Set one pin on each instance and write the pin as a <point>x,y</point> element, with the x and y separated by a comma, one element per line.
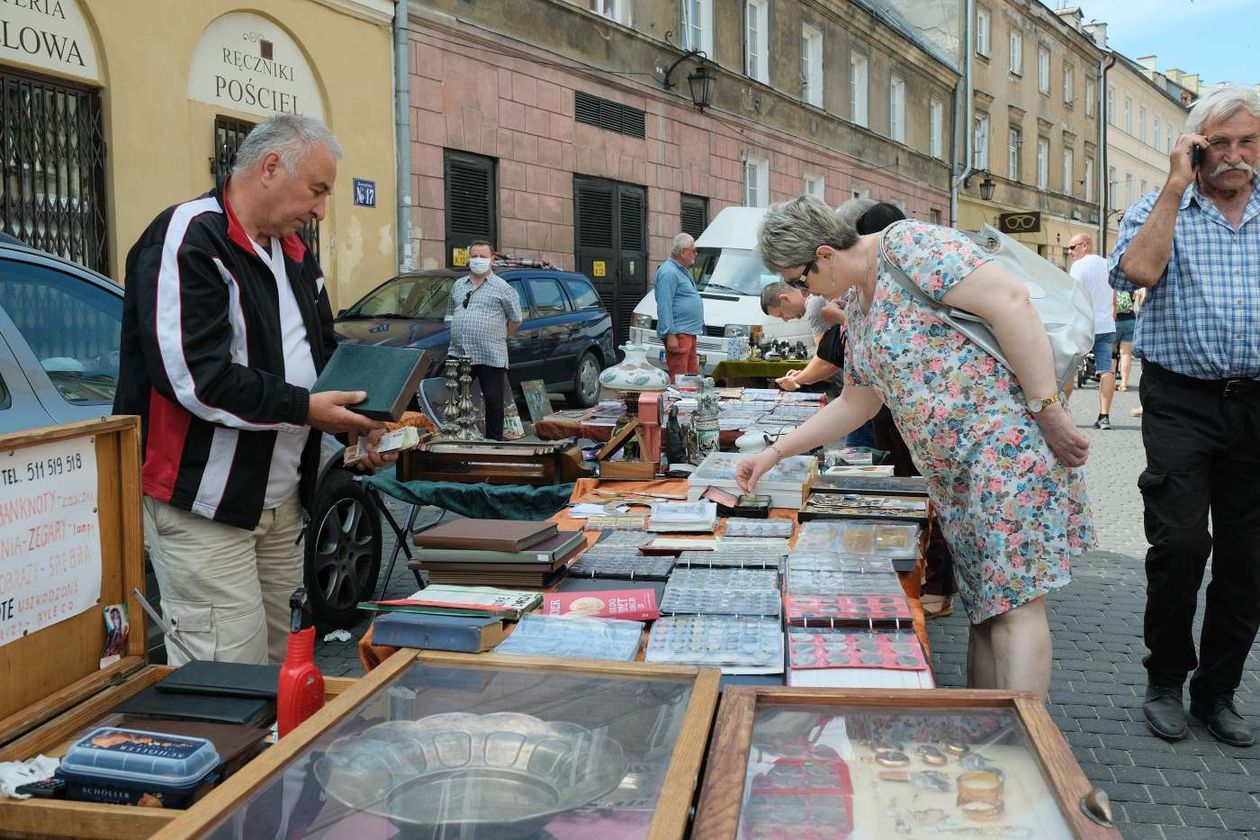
<point>998,448</point>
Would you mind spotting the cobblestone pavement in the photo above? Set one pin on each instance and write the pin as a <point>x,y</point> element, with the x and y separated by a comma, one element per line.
<point>1192,790</point>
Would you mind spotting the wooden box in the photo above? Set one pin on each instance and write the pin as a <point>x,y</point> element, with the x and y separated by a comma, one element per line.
<point>54,687</point>
<point>641,729</point>
<point>492,462</point>
<point>891,763</point>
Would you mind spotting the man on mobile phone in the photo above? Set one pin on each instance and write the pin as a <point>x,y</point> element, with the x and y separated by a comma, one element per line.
<point>1195,246</point>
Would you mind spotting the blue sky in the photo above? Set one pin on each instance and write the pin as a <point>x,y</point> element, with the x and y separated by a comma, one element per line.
<point>1218,39</point>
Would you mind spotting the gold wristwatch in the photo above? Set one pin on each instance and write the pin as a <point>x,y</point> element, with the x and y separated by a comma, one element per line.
<point>1038,406</point>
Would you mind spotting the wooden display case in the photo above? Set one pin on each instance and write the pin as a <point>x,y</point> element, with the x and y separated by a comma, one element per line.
<point>648,725</point>
<point>873,764</point>
<point>54,687</point>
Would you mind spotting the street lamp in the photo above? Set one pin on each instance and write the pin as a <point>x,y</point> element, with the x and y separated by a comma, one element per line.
<point>986,188</point>
<point>701,80</point>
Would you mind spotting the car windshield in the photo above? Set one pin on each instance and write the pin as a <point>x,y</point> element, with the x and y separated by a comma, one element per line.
<point>741,272</point>
<point>419,298</point>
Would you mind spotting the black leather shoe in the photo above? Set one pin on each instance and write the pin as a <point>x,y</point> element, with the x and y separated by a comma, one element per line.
<point>1165,714</point>
<point>1224,722</point>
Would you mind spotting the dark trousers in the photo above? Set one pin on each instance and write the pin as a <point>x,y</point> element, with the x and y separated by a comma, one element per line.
<point>1202,456</point>
<point>493,383</point>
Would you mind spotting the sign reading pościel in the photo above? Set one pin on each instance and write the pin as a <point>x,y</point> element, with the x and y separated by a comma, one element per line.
<point>50,536</point>
<point>48,34</point>
<point>245,62</point>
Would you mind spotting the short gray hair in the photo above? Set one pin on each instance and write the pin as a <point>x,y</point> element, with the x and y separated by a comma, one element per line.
<point>682,242</point>
<point>289,135</point>
<point>791,232</point>
<point>854,208</point>
<point>1221,103</point>
<point>770,295</point>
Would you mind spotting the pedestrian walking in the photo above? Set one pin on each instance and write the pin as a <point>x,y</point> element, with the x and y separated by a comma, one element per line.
<point>226,324</point>
<point>1011,503</point>
<point>679,308</point>
<point>1195,246</point>
<point>1091,271</point>
<point>484,311</point>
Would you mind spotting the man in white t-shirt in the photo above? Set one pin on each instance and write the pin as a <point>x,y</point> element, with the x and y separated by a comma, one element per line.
<point>1091,270</point>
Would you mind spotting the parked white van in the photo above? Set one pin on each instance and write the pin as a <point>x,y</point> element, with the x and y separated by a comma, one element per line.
<point>731,277</point>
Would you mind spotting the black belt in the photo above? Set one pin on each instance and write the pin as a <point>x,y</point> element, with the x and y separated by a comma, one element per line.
<point>1224,387</point>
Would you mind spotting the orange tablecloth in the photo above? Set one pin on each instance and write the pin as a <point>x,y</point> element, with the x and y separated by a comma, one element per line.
<point>559,428</point>
<point>372,655</point>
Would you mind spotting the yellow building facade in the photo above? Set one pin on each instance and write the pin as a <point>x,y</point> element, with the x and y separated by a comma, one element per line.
<point>111,110</point>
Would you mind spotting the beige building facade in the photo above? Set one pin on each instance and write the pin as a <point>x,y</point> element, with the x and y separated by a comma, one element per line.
<point>1146,113</point>
<point>1035,126</point>
<point>111,110</point>
<point>553,134</point>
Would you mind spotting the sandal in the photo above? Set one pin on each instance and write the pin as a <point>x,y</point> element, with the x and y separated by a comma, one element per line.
<point>937,606</point>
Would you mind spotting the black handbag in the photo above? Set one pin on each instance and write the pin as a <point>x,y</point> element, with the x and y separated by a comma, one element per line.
<point>831,345</point>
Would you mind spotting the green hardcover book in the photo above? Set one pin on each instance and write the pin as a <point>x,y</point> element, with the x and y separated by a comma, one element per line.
<point>389,375</point>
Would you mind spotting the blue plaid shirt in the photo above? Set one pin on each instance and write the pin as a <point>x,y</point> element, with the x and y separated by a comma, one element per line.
<point>1203,317</point>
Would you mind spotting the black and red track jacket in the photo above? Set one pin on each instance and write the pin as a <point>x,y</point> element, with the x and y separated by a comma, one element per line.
<point>202,361</point>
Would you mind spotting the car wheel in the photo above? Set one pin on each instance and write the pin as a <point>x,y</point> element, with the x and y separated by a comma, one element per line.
<point>585,391</point>
<point>343,550</point>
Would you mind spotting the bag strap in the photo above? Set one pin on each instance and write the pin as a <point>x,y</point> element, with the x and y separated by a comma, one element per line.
<point>903,279</point>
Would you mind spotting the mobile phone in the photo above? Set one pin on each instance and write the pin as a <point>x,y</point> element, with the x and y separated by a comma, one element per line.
<point>1196,156</point>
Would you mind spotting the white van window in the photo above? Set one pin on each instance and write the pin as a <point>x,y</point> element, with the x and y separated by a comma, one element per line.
<point>741,272</point>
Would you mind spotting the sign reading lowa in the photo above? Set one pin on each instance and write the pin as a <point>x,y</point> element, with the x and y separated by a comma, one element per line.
<point>48,34</point>
<point>1027,222</point>
<point>245,62</point>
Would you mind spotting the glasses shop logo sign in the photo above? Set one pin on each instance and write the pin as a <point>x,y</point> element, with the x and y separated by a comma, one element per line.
<point>1029,222</point>
<point>246,63</point>
<point>48,34</point>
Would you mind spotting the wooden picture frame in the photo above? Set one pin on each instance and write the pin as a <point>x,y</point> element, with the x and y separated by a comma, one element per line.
<point>722,788</point>
<point>669,818</point>
<point>536,399</point>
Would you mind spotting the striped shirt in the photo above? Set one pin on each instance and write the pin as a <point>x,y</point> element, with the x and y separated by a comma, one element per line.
<point>479,330</point>
<point>1202,318</point>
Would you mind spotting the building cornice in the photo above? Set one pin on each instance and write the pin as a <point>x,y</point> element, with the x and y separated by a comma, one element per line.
<point>376,11</point>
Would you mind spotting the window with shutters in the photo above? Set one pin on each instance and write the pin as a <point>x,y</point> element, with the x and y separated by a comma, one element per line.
<point>1069,165</point>
<point>471,204</point>
<point>756,182</point>
<point>608,115</point>
<point>1017,53</point>
<point>858,88</point>
<point>1043,163</point>
<point>757,39</point>
<point>1089,179</point>
<point>695,215</point>
<point>982,31</point>
<point>980,142</point>
<point>812,65</point>
<point>897,109</point>
<point>936,130</point>
<point>1043,69</point>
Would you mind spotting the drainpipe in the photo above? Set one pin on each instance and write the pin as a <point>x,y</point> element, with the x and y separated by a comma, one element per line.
<point>1104,196</point>
<point>966,110</point>
<point>402,134</point>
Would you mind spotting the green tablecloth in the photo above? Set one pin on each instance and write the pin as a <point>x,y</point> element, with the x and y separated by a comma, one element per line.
<point>755,368</point>
<point>477,501</point>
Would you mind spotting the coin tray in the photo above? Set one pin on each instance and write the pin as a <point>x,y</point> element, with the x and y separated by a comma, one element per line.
<point>831,648</point>
<point>576,637</point>
<point>729,579</point>
<point>632,566</point>
<point>802,799</point>
<point>617,522</point>
<point>729,559</point>
<point>757,528</point>
<point>863,563</point>
<point>869,610</point>
<point>678,600</point>
<point>814,582</point>
<point>730,642</point>
<point>732,543</point>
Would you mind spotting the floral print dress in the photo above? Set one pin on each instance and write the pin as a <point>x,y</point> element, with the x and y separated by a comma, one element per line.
<point>1014,517</point>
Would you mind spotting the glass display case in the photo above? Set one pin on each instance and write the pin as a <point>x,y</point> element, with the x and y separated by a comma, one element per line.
<point>874,765</point>
<point>450,746</point>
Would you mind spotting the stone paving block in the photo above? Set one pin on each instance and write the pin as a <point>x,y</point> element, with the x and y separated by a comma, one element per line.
<point>1175,796</point>
<point>1217,797</point>
<point>1202,817</point>
<point>1083,740</point>
<point>1095,771</point>
<point>1225,764</point>
<point>1162,814</point>
<point>1183,833</point>
<point>1182,778</point>
<point>1138,831</point>
<point>1248,820</point>
<point>1138,775</point>
<point>1124,792</point>
<point>1113,757</point>
<point>1169,760</point>
<point>1103,727</point>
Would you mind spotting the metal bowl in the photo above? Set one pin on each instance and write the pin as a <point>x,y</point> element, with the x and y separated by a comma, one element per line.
<point>501,775</point>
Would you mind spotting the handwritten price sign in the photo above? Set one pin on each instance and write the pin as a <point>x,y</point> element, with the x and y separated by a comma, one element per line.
<point>50,541</point>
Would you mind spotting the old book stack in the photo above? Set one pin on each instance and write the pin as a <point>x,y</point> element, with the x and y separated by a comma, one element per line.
<point>500,552</point>
<point>465,619</point>
<point>850,625</point>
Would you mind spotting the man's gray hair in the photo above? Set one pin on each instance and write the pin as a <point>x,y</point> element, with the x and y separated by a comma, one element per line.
<point>1221,103</point>
<point>682,242</point>
<point>770,295</point>
<point>289,135</point>
<point>853,209</point>
<point>791,232</point>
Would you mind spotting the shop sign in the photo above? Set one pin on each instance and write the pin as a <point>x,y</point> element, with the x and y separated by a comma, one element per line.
<point>245,62</point>
<point>48,34</point>
<point>1028,222</point>
<point>50,540</point>
<point>364,192</point>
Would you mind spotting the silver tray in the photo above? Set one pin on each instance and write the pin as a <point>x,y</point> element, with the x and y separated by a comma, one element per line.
<point>474,777</point>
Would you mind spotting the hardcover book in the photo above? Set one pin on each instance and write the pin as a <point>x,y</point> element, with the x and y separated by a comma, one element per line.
<point>486,535</point>
<point>389,375</point>
<point>462,634</point>
<point>546,552</point>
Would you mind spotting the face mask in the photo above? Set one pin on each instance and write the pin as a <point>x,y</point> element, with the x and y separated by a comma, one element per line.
<point>479,265</point>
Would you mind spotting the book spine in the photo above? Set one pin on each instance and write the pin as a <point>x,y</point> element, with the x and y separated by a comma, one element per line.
<point>425,636</point>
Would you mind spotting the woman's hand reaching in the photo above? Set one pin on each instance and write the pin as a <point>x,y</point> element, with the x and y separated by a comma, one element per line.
<point>752,469</point>
<point>1067,442</point>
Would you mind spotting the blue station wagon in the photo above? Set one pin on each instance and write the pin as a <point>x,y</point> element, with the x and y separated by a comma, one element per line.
<point>565,340</point>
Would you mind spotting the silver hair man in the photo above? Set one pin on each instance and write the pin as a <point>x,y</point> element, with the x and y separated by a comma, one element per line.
<point>853,209</point>
<point>1221,103</point>
<point>682,242</point>
<point>791,232</point>
<point>289,135</point>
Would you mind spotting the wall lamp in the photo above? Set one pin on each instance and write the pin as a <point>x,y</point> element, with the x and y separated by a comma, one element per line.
<point>701,80</point>
<point>987,186</point>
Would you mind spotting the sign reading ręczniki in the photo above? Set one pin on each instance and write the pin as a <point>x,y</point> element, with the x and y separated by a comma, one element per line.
<point>245,62</point>
<point>50,536</point>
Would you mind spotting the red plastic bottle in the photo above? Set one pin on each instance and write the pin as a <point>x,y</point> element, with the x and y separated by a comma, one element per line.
<point>300,693</point>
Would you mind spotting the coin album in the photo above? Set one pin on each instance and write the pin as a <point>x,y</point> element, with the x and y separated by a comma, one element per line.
<point>577,637</point>
<point>839,610</point>
<point>624,566</point>
<point>736,644</point>
<point>856,648</point>
<point>758,528</point>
